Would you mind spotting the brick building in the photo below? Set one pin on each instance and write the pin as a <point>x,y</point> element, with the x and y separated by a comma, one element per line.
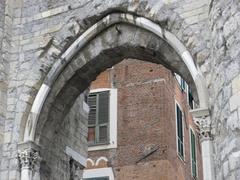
<point>140,126</point>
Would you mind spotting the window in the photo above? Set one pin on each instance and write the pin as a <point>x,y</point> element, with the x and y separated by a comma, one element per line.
<point>179,121</point>
<point>98,118</point>
<point>97,178</point>
<point>98,174</point>
<point>190,98</point>
<point>193,153</point>
<point>102,119</point>
<point>181,82</point>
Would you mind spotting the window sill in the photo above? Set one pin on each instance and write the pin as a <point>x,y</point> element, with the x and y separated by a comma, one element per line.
<point>194,178</point>
<point>102,147</point>
<point>181,158</point>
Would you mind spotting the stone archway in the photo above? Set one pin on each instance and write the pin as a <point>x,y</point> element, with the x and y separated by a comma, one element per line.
<point>106,22</point>
<point>107,42</point>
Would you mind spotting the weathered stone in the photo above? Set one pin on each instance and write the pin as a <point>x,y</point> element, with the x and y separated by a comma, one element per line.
<point>26,56</point>
<point>235,101</point>
<point>233,121</point>
<point>236,85</point>
<point>230,26</point>
<point>225,169</point>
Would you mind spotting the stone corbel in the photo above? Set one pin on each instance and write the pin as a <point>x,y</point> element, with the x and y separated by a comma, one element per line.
<point>29,160</point>
<point>204,126</point>
<point>202,120</point>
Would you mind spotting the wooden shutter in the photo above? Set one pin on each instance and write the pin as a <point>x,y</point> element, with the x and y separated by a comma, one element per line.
<point>180,132</point>
<point>103,134</point>
<point>190,98</point>
<point>193,154</point>
<point>93,109</point>
<point>98,118</point>
<point>183,84</point>
<point>92,118</point>
<point>103,116</point>
<point>103,107</point>
<point>97,178</point>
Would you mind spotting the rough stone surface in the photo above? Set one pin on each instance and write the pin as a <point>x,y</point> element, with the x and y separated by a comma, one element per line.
<point>225,65</point>
<point>71,132</point>
<point>34,33</point>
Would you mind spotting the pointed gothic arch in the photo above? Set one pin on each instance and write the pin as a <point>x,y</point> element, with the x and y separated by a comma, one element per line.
<point>180,60</point>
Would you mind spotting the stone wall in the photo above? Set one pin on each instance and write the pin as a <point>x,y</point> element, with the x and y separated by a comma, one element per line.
<point>71,132</point>
<point>2,12</point>
<point>225,96</point>
<point>4,126</point>
<point>42,30</point>
<point>36,32</point>
<point>11,10</point>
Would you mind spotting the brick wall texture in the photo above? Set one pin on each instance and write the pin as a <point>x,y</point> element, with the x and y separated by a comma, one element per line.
<point>35,33</point>
<point>146,119</point>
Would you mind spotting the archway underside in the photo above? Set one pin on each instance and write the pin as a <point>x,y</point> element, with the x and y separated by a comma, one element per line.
<point>107,49</point>
<point>114,38</point>
<point>104,51</point>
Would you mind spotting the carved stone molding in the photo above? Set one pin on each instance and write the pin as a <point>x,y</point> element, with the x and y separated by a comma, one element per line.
<point>28,156</point>
<point>204,127</point>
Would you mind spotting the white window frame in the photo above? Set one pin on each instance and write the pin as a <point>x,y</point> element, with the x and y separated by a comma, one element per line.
<point>190,128</point>
<point>188,98</point>
<point>98,172</point>
<point>184,155</point>
<point>112,120</point>
<point>179,80</point>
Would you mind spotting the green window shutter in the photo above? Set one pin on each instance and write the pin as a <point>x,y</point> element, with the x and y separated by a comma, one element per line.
<point>183,84</point>
<point>103,117</point>
<point>97,178</point>
<point>190,98</point>
<point>180,132</point>
<point>93,107</point>
<point>92,99</point>
<point>98,118</point>
<point>103,134</point>
<point>193,154</point>
<point>103,107</point>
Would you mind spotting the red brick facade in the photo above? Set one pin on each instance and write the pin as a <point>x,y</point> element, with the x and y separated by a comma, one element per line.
<point>146,124</point>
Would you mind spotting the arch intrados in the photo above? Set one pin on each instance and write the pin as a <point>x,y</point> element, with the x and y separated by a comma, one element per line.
<point>82,79</point>
<point>79,43</point>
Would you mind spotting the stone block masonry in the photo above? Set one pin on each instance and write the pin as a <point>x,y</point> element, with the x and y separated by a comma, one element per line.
<point>34,34</point>
<point>224,22</point>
